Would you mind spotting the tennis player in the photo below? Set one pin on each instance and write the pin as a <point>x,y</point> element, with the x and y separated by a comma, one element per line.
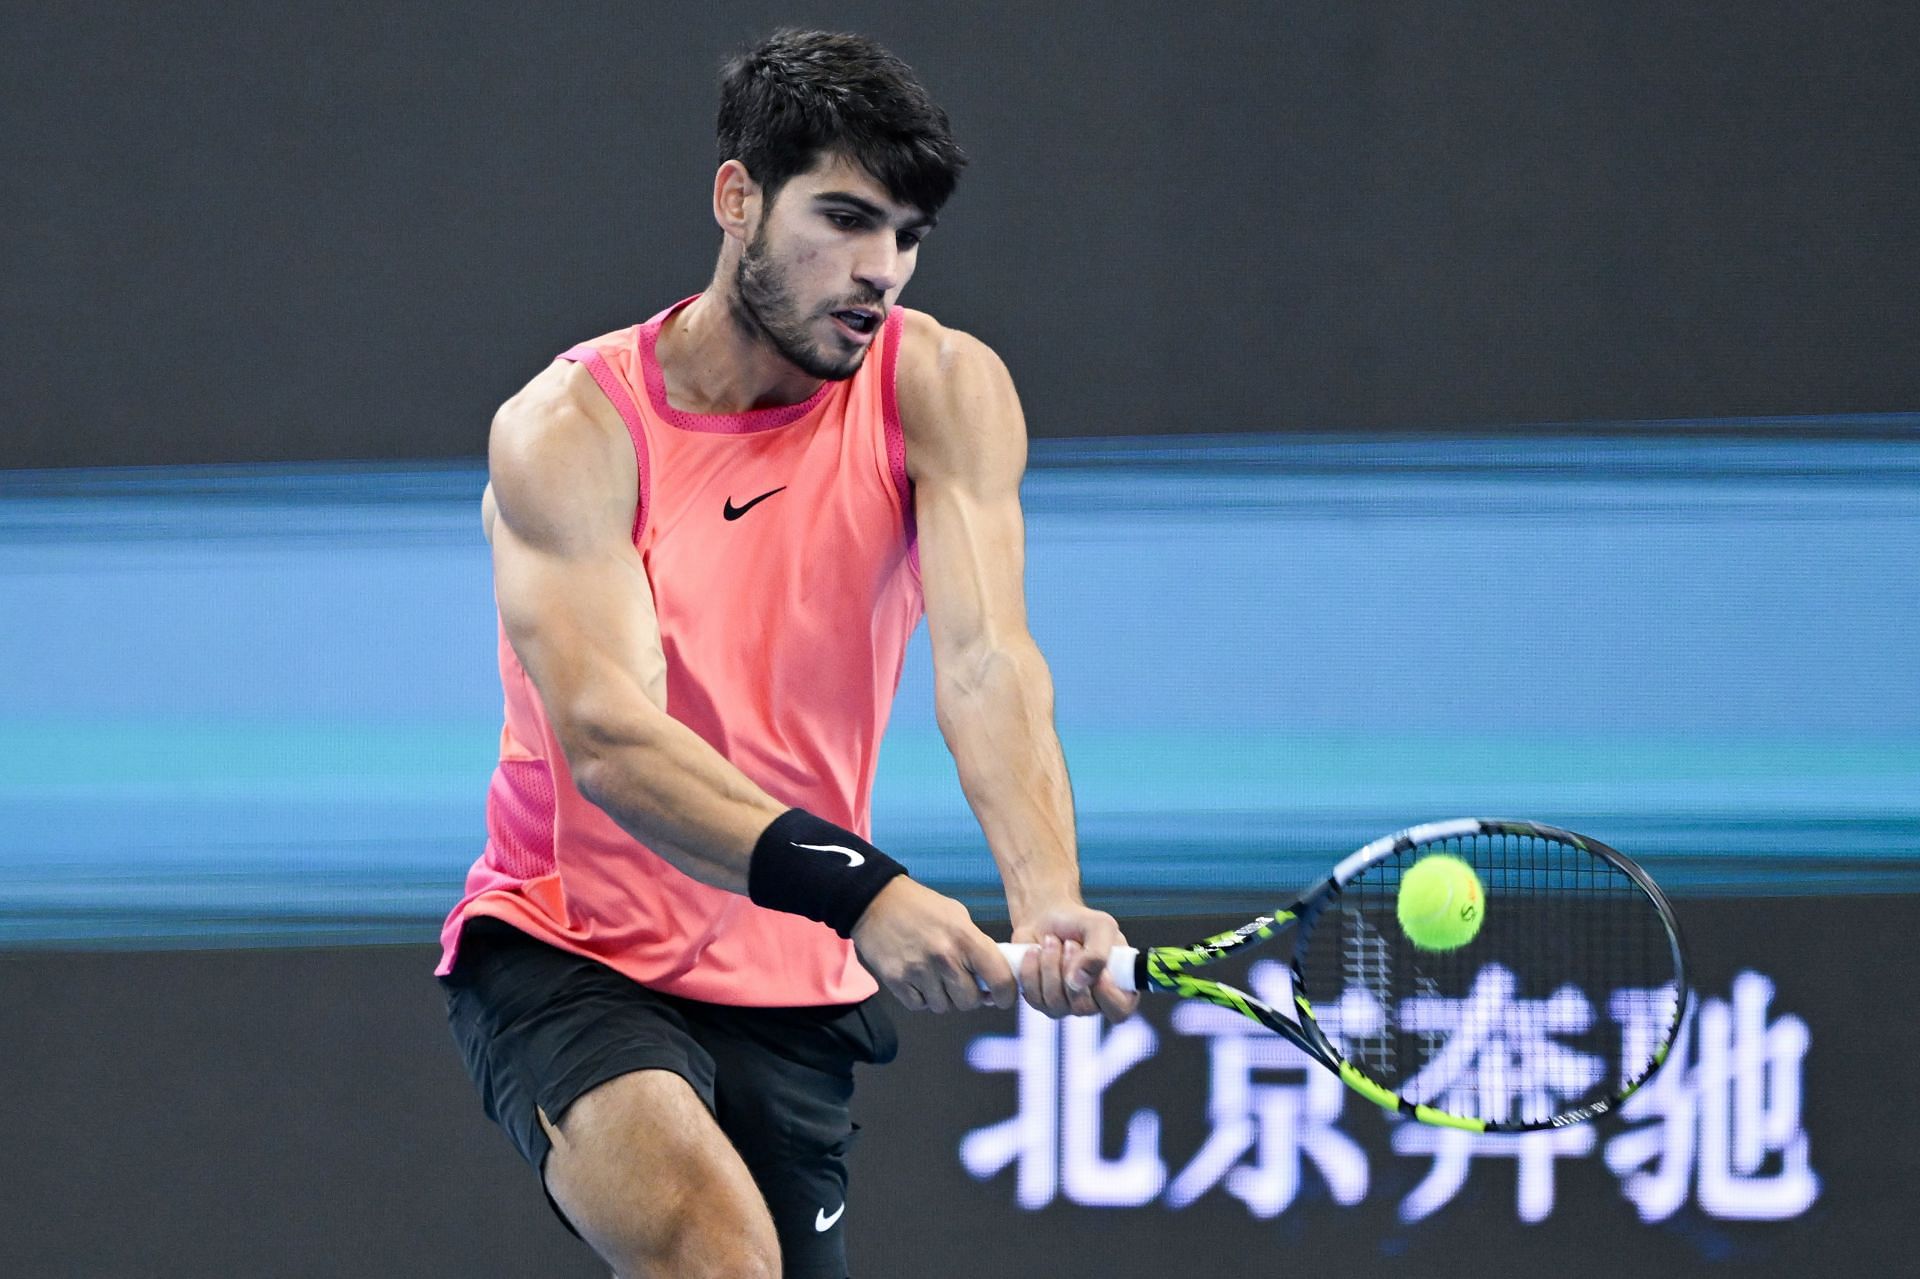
<point>712,535</point>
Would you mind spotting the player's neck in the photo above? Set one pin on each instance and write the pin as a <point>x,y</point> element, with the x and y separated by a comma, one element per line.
<point>710,364</point>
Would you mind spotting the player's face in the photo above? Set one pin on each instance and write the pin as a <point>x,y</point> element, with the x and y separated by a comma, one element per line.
<point>825,264</point>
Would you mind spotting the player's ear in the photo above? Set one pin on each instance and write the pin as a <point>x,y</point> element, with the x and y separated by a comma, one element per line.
<point>736,201</point>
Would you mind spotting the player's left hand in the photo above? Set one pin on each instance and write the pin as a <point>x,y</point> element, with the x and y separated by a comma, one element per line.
<point>1066,974</point>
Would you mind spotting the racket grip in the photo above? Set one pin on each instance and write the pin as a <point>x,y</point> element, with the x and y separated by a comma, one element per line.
<point>1121,961</point>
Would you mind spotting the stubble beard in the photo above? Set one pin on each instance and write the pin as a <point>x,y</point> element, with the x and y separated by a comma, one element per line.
<point>764,308</point>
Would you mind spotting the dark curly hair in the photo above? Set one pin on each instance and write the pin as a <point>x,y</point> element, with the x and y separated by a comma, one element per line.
<point>800,94</point>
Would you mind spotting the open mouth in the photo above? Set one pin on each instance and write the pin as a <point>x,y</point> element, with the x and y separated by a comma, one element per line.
<point>861,321</point>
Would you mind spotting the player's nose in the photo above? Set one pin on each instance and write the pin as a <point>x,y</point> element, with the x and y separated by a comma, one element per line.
<point>879,264</point>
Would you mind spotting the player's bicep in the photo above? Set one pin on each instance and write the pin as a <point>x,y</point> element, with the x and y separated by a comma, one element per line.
<point>967,449</point>
<point>972,558</point>
<point>573,594</point>
<point>583,626</point>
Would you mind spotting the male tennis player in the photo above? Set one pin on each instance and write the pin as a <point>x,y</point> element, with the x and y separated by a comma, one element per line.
<point>712,535</point>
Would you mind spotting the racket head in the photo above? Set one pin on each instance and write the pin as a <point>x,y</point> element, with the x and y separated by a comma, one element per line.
<point>1562,1005</point>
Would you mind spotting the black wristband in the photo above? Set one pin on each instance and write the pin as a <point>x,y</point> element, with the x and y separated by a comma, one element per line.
<point>806,866</point>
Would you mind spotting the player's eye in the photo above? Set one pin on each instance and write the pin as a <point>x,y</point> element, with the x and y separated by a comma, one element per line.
<point>846,221</point>
<point>911,239</point>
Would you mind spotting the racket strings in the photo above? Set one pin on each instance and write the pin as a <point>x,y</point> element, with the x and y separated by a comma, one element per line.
<point>1368,967</point>
<point>1560,1001</point>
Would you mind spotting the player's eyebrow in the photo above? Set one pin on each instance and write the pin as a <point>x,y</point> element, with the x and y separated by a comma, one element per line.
<point>872,210</point>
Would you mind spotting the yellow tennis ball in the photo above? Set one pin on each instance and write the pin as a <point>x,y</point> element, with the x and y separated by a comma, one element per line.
<point>1441,903</point>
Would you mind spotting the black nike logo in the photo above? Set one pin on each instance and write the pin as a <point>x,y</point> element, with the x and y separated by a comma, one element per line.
<point>733,512</point>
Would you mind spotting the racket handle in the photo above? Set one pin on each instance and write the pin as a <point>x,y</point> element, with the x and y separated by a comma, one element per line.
<point>1121,961</point>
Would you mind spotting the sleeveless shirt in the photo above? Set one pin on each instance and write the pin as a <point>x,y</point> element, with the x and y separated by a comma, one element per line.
<point>779,545</point>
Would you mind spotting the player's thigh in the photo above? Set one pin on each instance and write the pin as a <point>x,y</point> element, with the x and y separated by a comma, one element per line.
<point>645,1175</point>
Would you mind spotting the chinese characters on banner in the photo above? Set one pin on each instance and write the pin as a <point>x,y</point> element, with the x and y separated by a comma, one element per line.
<point>1720,1124</point>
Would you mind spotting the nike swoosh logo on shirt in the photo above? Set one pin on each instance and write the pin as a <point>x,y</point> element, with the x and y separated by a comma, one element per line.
<point>823,1223</point>
<point>853,859</point>
<point>733,512</point>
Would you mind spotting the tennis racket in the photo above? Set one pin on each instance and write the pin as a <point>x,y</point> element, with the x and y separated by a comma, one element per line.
<point>1564,1003</point>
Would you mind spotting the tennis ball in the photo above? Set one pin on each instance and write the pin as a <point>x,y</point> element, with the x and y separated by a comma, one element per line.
<point>1441,903</point>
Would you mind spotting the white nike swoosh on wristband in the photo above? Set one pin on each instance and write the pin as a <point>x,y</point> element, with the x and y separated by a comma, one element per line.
<point>821,1221</point>
<point>853,859</point>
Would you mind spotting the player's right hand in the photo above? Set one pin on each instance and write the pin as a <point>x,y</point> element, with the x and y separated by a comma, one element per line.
<point>924,947</point>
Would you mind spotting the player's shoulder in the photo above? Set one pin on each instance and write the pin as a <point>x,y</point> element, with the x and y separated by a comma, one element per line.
<point>561,409</point>
<point>930,348</point>
<point>556,437</point>
<point>958,409</point>
<point>940,366</point>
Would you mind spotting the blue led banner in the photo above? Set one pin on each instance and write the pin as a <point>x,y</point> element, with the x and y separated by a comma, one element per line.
<point>260,704</point>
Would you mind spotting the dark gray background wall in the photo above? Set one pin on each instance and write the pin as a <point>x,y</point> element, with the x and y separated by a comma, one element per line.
<point>279,231</point>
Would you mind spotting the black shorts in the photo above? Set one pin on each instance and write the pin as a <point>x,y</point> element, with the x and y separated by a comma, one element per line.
<point>539,1027</point>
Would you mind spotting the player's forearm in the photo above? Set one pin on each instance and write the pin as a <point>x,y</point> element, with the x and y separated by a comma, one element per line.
<point>995,708</point>
<point>665,786</point>
<point>677,795</point>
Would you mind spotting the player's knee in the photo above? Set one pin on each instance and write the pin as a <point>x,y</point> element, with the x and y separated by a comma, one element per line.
<point>709,1246</point>
<point>737,1261</point>
<point>705,1233</point>
<point>724,1247</point>
<point>694,1241</point>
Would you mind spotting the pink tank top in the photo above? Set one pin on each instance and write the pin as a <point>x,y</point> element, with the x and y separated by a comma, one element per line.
<point>780,547</point>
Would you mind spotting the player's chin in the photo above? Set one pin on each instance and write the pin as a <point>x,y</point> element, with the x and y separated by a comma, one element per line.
<point>839,357</point>
<point>834,369</point>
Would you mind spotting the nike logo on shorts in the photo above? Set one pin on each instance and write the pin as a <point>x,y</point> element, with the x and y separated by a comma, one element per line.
<point>853,859</point>
<point>823,1223</point>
